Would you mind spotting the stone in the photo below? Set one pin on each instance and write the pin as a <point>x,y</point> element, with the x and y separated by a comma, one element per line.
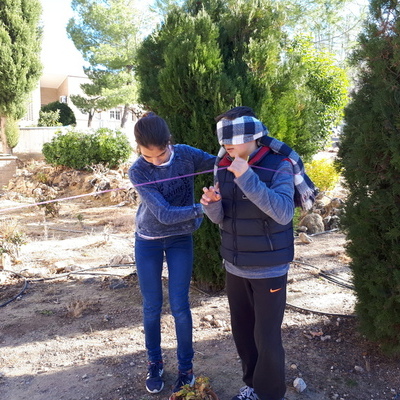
<point>305,238</point>
<point>299,385</point>
<point>314,223</point>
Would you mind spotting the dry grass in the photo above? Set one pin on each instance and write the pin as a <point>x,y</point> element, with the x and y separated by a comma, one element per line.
<point>76,308</point>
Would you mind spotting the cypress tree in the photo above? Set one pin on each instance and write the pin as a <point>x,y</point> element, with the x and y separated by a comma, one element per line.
<point>370,157</point>
<point>20,67</point>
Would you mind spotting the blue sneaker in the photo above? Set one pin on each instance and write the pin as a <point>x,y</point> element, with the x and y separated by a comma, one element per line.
<point>154,383</point>
<point>184,378</point>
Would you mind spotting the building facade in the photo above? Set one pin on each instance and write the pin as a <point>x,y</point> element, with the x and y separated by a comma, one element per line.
<point>58,87</point>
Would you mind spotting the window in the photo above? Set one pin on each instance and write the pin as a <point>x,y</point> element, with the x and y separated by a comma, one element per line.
<point>115,114</point>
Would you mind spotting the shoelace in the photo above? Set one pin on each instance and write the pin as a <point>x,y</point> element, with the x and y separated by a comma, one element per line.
<point>154,370</point>
<point>183,379</point>
<point>247,393</point>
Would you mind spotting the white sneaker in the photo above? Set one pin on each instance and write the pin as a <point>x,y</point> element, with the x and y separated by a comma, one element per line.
<point>246,393</point>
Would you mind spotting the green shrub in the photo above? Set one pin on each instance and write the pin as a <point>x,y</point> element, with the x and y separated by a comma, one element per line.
<point>67,116</point>
<point>79,150</point>
<point>49,118</point>
<point>323,173</point>
<point>12,132</point>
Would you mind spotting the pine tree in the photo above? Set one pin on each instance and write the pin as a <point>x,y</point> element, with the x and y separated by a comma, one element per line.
<point>105,90</point>
<point>370,156</point>
<point>20,67</point>
<point>107,34</point>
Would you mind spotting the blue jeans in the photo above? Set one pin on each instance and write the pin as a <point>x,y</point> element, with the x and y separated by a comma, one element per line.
<point>149,256</point>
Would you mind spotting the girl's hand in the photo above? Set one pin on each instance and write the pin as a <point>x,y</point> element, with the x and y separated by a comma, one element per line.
<point>239,166</point>
<point>210,195</point>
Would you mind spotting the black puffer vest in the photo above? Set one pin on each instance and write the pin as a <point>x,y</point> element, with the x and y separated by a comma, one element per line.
<point>249,236</point>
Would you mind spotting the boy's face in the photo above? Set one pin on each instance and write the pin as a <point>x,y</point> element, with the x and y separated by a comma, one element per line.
<point>241,150</point>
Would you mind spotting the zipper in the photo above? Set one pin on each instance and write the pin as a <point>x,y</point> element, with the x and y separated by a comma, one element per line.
<point>266,226</point>
<point>234,225</point>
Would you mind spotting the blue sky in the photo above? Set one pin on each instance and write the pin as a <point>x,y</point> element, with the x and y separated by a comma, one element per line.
<point>59,55</point>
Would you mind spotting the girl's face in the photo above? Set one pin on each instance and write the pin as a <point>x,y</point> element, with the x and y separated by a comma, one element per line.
<point>155,155</point>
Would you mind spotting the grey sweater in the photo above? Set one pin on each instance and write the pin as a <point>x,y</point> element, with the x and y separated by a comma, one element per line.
<point>167,205</point>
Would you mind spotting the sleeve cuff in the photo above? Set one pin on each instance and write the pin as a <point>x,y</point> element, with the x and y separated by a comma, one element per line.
<point>198,210</point>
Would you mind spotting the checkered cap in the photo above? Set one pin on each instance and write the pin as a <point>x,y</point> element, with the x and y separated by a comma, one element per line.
<point>240,130</point>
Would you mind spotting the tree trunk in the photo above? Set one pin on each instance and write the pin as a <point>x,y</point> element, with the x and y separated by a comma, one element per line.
<point>90,119</point>
<point>124,115</point>
<point>3,138</point>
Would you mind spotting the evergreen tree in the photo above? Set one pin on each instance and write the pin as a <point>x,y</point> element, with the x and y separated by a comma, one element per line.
<point>20,67</point>
<point>208,56</point>
<point>370,157</point>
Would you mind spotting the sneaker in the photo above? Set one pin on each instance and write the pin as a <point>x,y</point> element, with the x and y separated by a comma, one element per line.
<point>184,378</point>
<point>246,393</point>
<point>154,383</point>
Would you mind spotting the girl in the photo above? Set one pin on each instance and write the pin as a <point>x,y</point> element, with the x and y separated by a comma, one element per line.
<point>165,221</point>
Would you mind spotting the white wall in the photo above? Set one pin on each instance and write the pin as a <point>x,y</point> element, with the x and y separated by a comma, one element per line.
<point>32,139</point>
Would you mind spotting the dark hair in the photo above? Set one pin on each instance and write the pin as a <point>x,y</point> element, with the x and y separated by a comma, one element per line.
<point>236,112</point>
<point>152,130</point>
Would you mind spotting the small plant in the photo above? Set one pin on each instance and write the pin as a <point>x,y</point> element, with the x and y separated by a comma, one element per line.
<point>80,219</point>
<point>76,308</point>
<point>11,238</point>
<point>46,312</point>
<point>201,390</point>
<point>45,198</point>
<point>49,118</point>
<point>323,173</point>
<point>42,178</point>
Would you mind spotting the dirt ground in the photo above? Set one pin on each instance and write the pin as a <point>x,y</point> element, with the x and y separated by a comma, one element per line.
<point>75,332</point>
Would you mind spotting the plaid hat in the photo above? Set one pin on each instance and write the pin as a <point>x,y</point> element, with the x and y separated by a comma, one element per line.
<point>245,129</point>
<point>240,130</point>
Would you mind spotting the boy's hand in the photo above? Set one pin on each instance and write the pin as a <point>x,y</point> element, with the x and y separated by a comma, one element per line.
<point>210,195</point>
<point>239,166</point>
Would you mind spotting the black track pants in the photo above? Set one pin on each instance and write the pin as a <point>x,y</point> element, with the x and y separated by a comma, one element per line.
<point>257,307</point>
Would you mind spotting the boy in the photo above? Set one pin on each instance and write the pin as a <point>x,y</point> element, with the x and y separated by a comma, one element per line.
<point>259,181</point>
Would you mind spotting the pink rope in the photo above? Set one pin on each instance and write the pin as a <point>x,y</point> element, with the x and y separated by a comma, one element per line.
<point>115,190</point>
<point>100,192</point>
